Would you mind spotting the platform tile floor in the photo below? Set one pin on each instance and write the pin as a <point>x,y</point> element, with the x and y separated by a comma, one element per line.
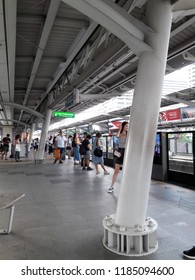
<point>60,218</point>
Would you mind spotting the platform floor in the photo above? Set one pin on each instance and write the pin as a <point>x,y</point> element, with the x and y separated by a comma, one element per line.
<point>61,215</point>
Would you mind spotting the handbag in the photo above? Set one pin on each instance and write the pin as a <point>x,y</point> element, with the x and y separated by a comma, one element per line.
<point>117,154</point>
<point>56,154</point>
<point>98,152</point>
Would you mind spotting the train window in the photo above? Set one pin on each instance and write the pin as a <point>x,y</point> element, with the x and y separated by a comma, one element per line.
<point>110,144</point>
<point>180,152</point>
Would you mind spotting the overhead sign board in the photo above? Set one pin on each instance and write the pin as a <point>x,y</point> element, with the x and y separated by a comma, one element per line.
<point>72,99</point>
<point>64,114</point>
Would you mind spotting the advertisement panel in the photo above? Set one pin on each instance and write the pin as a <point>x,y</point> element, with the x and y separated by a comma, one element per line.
<point>170,115</point>
<point>188,112</point>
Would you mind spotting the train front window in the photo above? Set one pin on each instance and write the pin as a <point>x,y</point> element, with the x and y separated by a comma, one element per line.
<point>180,151</point>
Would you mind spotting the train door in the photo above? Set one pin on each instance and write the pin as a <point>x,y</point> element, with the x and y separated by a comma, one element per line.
<point>181,157</point>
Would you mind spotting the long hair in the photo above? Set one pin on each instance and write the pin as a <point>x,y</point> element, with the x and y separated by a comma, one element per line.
<point>122,127</point>
<point>74,135</point>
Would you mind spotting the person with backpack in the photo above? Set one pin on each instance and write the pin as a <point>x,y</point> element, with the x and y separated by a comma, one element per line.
<point>97,157</point>
<point>86,147</point>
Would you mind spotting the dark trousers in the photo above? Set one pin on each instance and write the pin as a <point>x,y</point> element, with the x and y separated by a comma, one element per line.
<point>17,155</point>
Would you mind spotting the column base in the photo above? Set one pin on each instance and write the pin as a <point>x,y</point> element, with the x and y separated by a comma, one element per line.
<point>130,242</point>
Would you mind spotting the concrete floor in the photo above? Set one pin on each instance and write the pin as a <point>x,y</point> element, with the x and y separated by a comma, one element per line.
<point>60,218</point>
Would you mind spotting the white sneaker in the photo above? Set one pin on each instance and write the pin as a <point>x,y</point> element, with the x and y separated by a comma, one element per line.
<point>106,173</point>
<point>110,190</point>
<point>97,172</point>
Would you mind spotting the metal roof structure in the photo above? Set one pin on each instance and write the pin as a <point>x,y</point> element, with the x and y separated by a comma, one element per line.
<point>61,47</point>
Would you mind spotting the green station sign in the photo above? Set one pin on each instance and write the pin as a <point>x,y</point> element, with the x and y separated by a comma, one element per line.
<point>64,114</point>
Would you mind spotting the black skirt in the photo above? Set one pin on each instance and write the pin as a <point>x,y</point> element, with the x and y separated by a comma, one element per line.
<point>119,160</point>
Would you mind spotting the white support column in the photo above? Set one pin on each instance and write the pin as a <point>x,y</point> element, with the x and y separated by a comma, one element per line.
<point>137,167</point>
<point>41,149</point>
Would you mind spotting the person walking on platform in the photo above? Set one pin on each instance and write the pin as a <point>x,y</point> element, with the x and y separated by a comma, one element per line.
<point>60,143</point>
<point>119,155</point>
<point>98,159</point>
<point>86,157</point>
<point>75,145</point>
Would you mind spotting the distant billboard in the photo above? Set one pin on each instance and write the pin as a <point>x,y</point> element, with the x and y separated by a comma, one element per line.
<point>170,115</point>
<point>188,112</point>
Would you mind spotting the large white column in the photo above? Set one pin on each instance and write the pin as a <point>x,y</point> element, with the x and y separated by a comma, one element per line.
<point>136,177</point>
<point>130,232</point>
<point>41,149</point>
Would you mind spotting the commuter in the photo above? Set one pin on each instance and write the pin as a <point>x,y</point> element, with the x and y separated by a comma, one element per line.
<point>6,140</point>
<point>75,145</point>
<point>98,159</point>
<point>69,146</point>
<point>1,147</point>
<point>121,135</point>
<point>36,144</point>
<point>60,144</point>
<point>54,141</point>
<point>50,143</point>
<point>17,142</point>
<point>65,145</point>
<point>86,157</point>
<point>46,145</point>
<point>190,254</point>
<point>81,148</point>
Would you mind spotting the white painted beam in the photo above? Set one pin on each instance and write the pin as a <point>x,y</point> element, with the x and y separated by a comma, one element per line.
<point>184,5</point>
<point>24,108</point>
<point>114,19</point>
<point>53,8</point>
<point>15,121</point>
<point>178,100</point>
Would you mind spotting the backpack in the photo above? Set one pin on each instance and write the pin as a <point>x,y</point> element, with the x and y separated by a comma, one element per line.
<point>82,150</point>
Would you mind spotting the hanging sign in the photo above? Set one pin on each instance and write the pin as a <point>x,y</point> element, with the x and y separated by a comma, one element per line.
<point>72,99</point>
<point>64,114</point>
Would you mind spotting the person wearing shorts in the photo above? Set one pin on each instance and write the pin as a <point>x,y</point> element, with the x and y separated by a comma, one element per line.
<point>6,141</point>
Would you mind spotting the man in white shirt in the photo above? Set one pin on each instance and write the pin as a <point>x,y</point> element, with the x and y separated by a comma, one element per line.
<point>60,143</point>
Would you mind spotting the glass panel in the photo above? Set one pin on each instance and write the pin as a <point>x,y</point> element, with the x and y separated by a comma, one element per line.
<point>180,152</point>
<point>103,141</point>
<point>110,146</point>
